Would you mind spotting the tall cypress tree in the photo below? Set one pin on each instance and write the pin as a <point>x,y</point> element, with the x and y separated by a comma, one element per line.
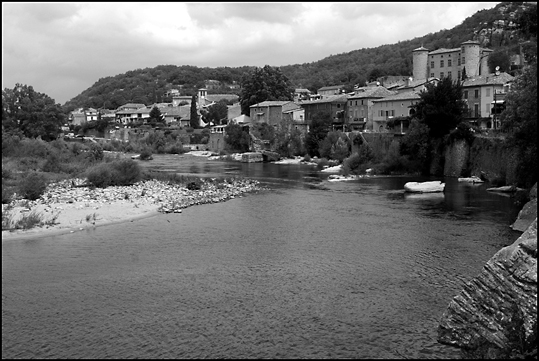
<point>194,122</point>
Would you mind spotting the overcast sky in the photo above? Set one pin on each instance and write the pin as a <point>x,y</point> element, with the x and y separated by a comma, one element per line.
<point>61,49</point>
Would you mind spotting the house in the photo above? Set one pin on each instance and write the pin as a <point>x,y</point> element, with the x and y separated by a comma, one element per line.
<point>333,106</point>
<point>82,115</point>
<point>128,116</point>
<point>482,94</point>
<point>451,63</point>
<point>393,106</point>
<point>330,90</point>
<point>269,111</point>
<point>301,94</point>
<point>294,117</point>
<point>359,110</point>
<point>131,106</point>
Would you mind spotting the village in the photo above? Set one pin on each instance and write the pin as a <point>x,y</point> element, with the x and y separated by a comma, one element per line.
<point>381,106</point>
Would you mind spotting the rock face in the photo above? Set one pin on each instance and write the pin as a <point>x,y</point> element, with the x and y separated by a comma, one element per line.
<point>528,213</point>
<point>481,315</point>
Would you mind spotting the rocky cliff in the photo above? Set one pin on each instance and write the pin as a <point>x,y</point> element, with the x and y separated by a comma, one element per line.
<point>497,310</point>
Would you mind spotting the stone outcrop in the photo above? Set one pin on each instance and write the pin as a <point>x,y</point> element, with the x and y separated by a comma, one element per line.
<point>528,213</point>
<point>483,314</point>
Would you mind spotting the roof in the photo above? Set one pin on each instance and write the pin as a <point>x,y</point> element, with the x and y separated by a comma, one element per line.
<point>342,98</point>
<point>289,107</point>
<point>302,90</point>
<point>443,50</point>
<point>233,111</point>
<point>271,103</point>
<point>132,105</point>
<point>416,83</point>
<point>422,48</point>
<point>372,92</point>
<point>411,95</point>
<point>489,79</point>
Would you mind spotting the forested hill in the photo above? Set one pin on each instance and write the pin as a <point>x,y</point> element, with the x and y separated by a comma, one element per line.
<point>495,28</point>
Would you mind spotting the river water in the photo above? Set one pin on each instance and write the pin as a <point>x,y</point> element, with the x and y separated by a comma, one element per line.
<point>306,269</point>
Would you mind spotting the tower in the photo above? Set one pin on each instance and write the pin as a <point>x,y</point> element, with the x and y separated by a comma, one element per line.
<point>420,57</point>
<point>469,50</point>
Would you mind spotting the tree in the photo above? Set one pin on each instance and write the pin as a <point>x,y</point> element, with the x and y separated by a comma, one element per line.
<point>33,113</point>
<point>464,75</point>
<point>194,121</point>
<point>519,120</point>
<point>156,116</point>
<point>320,127</point>
<point>263,84</point>
<point>501,59</point>
<point>441,107</point>
<point>237,138</point>
<point>217,112</point>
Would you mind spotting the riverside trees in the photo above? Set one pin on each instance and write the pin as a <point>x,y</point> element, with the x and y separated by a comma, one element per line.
<point>263,84</point>
<point>32,113</point>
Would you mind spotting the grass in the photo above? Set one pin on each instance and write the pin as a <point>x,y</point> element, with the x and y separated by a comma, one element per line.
<point>27,221</point>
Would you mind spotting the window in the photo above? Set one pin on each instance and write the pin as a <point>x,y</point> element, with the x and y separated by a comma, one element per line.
<point>488,92</point>
<point>458,61</point>
<point>362,102</point>
<point>476,93</point>
<point>458,74</point>
<point>476,110</point>
<point>465,94</point>
<point>432,75</point>
<point>356,102</point>
<point>441,63</point>
<point>441,74</point>
<point>449,75</point>
<point>432,65</point>
<point>350,103</point>
<point>487,108</point>
<point>448,62</point>
<point>463,60</point>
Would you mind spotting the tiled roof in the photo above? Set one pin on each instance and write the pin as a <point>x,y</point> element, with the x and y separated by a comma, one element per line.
<point>372,92</point>
<point>400,96</point>
<point>271,103</point>
<point>422,48</point>
<point>291,107</point>
<point>489,79</point>
<point>443,50</point>
<point>301,90</point>
<point>328,99</point>
<point>418,82</point>
<point>133,105</point>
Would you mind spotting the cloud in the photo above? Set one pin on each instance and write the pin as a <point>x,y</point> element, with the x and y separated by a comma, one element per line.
<point>63,48</point>
<point>210,15</point>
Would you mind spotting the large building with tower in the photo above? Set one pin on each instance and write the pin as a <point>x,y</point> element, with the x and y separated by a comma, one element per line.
<point>451,63</point>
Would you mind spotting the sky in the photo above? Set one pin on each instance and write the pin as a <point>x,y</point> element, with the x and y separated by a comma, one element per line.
<point>62,49</point>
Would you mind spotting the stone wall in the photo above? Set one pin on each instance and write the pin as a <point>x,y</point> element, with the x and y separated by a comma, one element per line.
<point>486,156</point>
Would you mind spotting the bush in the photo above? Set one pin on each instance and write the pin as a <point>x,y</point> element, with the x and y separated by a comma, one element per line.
<point>32,186</point>
<point>116,173</point>
<point>194,186</point>
<point>146,153</point>
<point>322,163</point>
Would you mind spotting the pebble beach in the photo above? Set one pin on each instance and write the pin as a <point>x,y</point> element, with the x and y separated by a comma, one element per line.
<point>69,206</point>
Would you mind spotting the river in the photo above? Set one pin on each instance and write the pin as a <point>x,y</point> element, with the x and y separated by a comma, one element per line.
<point>305,269</point>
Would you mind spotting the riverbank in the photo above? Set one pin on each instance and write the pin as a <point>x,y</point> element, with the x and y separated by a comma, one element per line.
<point>68,207</point>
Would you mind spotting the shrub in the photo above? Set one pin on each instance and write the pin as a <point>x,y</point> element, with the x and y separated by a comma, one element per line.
<point>32,186</point>
<point>146,153</point>
<point>194,186</point>
<point>95,152</point>
<point>322,163</point>
<point>116,173</point>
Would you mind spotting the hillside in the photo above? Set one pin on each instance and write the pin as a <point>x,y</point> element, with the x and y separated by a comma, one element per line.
<point>495,28</point>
